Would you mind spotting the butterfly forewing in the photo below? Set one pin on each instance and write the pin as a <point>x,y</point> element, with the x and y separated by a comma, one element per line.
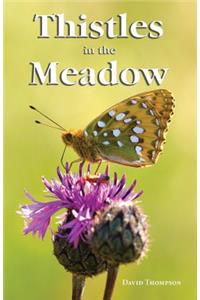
<point>132,132</point>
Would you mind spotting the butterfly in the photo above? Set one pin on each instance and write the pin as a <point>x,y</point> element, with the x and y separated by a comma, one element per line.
<point>131,132</point>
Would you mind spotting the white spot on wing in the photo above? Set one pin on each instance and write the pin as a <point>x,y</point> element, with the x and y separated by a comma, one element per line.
<point>116,132</point>
<point>138,150</point>
<point>153,154</point>
<point>105,134</point>
<point>144,105</point>
<point>156,143</point>
<point>112,113</point>
<point>101,124</point>
<point>134,139</point>
<point>159,132</point>
<point>95,133</point>
<point>120,116</point>
<point>85,133</point>
<point>151,112</point>
<point>133,101</point>
<point>138,122</point>
<point>106,143</point>
<point>138,129</point>
<point>157,122</point>
<point>120,144</point>
<point>128,120</point>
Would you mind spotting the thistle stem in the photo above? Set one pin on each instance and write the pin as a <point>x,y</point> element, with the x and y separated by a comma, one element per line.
<point>78,284</point>
<point>110,282</point>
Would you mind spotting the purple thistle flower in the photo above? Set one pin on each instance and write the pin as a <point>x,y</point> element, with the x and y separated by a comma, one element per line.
<point>80,194</point>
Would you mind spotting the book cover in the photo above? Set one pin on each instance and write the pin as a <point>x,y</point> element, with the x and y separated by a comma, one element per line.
<point>100,191</point>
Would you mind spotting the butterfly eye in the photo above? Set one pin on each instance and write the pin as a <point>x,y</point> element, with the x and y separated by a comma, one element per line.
<point>68,137</point>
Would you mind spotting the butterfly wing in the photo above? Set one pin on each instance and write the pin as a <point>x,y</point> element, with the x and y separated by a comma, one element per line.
<point>133,131</point>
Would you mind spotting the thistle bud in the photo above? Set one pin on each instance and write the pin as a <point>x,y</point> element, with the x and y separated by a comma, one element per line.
<point>120,233</point>
<point>79,260</point>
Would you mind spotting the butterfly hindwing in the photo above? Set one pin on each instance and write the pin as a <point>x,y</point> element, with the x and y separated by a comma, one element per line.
<point>132,132</point>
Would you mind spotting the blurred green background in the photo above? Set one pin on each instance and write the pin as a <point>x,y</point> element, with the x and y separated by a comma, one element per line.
<point>31,271</point>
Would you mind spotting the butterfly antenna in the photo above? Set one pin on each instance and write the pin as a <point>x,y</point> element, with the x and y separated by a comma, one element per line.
<point>41,123</point>
<point>32,107</point>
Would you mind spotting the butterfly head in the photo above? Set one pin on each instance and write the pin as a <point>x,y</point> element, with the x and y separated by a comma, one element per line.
<point>67,138</point>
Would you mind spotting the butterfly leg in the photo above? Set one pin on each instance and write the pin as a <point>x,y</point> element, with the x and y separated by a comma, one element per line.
<point>99,164</point>
<point>74,162</point>
<point>62,157</point>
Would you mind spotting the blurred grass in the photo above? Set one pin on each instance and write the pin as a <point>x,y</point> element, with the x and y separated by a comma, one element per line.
<point>169,200</point>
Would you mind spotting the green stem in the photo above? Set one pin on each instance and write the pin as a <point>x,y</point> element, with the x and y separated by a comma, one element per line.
<point>78,284</point>
<point>110,282</point>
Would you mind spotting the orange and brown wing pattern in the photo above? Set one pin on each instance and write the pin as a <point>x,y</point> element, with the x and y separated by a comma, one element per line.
<point>133,131</point>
